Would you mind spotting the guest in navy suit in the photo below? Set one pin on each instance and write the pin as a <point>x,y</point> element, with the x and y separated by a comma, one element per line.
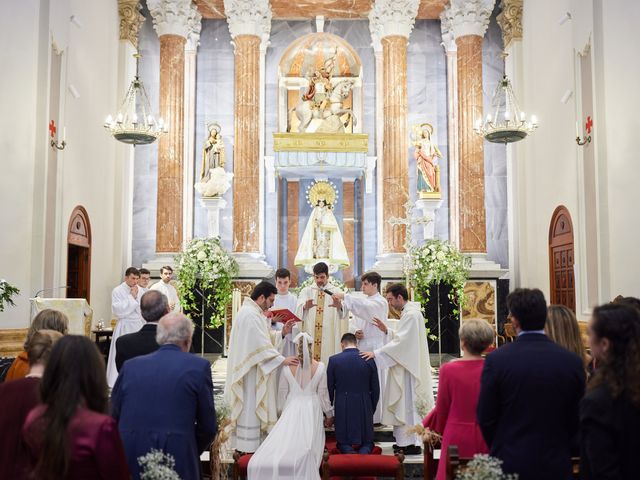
<point>354,390</point>
<point>529,395</point>
<point>164,400</point>
<point>153,306</point>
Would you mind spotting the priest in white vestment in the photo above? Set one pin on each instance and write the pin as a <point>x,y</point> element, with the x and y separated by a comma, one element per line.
<point>125,305</point>
<point>250,389</point>
<point>323,318</point>
<point>168,290</point>
<point>365,309</point>
<point>409,382</point>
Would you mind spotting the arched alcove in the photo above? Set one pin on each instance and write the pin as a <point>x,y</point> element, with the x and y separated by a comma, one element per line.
<point>308,54</point>
<point>561,259</point>
<point>79,254</point>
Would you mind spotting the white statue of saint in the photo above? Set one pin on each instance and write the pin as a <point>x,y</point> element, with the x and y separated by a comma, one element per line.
<point>322,240</point>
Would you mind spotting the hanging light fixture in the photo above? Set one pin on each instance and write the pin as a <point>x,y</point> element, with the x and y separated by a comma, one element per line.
<point>506,123</point>
<point>134,124</point>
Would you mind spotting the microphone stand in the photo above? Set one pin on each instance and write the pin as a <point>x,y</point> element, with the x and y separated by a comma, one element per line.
<point>50,290</point>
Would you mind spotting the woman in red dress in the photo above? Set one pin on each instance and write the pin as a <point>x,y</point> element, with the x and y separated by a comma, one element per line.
<point>454,416</point>
<point>70,436</point>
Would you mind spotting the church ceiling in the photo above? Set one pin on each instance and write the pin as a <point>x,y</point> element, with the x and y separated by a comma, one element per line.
<point>300,9</point>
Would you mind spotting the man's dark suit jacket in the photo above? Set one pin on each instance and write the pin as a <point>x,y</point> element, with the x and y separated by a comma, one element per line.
<point>354,390</point>
<point>135,344</point>
<point>164,400</point>
<point>528,406</point>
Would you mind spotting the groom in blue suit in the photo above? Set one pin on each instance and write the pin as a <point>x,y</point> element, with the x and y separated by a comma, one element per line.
<point>354,391</point>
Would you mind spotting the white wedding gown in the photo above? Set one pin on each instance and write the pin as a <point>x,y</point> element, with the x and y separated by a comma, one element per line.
<point>293,449</point>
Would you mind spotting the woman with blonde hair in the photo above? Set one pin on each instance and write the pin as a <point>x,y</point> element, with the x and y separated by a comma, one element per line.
<point>454,416</point>
<point>47,319</point>
<point>562,327</point>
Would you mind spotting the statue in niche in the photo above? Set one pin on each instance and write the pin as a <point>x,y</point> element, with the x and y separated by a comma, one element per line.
<point>320,108</point>
<point>214,180</point>
<point>322,240</point>
<point>426,154</point>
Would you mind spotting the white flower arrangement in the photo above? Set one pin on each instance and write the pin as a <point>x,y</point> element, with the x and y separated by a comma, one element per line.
<point>7,291</point>
<point>437,262</point>
<point>205,262</point>
<point>484,467</point>
<point>157,465</point>
<point>332,281</point>
<point>217,185</point>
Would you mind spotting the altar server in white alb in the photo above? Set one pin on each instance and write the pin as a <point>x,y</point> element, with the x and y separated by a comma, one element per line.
<point>370,311</point>
<point>284,298</point>
<point>409,380</point>
<point>168,290</point>
<point>125,305</point>
<point>323,318</point>
<point>252,365</point>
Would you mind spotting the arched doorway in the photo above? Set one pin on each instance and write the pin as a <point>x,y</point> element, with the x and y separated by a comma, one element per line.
<point>561,259</point>
<point>79,255</point>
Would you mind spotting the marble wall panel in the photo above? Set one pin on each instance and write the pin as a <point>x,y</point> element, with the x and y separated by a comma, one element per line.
<point>495,155</point>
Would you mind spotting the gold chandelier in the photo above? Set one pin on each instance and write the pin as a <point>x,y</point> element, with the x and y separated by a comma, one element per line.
<point>134,124</point>
<point>507,123</point>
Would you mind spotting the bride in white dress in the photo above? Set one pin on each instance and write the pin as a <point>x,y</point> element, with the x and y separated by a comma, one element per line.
<point>293,449</point>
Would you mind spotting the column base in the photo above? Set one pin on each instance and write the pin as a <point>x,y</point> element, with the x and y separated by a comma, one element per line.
<point>161,260</point>
<point>483,268</point>
<point>252,266</point>
<point>390,266</point>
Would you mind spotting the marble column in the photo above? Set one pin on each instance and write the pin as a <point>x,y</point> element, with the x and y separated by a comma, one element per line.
<point>468,21</point>
<point>451,52</point>
<point>173,20</point>
<point>249,25</point>
<point>293,194</point>
<point>391,23</point>
<point>348,229</point>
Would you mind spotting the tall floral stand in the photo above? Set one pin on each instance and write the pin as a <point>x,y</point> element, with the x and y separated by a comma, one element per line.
<point>213,205</point>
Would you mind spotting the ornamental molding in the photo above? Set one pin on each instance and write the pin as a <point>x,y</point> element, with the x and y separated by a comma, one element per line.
<point>448,40</point>
<point>510,21</point>
<point>193,37</point>
<point>130,20</point>
<point>249,17</point>
<point>468,17</point>
<point>392,17</point>
<point>174,17</point>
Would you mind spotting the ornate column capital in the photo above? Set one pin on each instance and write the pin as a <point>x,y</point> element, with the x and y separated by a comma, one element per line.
<point>510,21</point>
<point>130,20</point>
<point>173,17</point>
<point>468,17</point>
<point>193,36</point>
<point>392,17</point>
<point>248,17</point>
<point>448,39</point>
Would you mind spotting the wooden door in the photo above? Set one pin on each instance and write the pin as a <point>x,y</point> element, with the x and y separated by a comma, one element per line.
<point>79,255</point>
<point>561,259</point>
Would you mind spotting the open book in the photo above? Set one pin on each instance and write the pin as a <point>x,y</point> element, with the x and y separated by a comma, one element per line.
<point>285,313</point>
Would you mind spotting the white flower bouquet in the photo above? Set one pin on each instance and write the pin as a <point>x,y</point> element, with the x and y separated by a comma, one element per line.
<point>484,467</point>
<point>157,465</point>
<point>206,264</point>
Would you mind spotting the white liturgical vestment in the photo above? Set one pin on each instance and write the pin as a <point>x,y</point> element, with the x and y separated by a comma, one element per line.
<point>364,309</point>
<point>409,380</point>
<point>324,323</point>
<point>168,291</point>
<point>250,389</point>
<point>127,310</point>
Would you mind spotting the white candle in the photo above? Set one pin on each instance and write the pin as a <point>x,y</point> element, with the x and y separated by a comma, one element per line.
<point>64,133</point>
<point>577,130</point>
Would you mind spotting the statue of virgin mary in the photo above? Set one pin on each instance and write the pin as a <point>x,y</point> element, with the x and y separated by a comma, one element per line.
<point>322,240</point>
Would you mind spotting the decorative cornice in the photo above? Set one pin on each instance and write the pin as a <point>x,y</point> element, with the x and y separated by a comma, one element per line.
<point>468,17</point>
<point>392,17</point>
<point>249,17</point>
<point>130,20</point>
<point>510,21</point>
<point>173,17</point>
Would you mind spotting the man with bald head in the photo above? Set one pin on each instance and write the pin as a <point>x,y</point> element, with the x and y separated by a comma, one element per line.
<point>164,400</point>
